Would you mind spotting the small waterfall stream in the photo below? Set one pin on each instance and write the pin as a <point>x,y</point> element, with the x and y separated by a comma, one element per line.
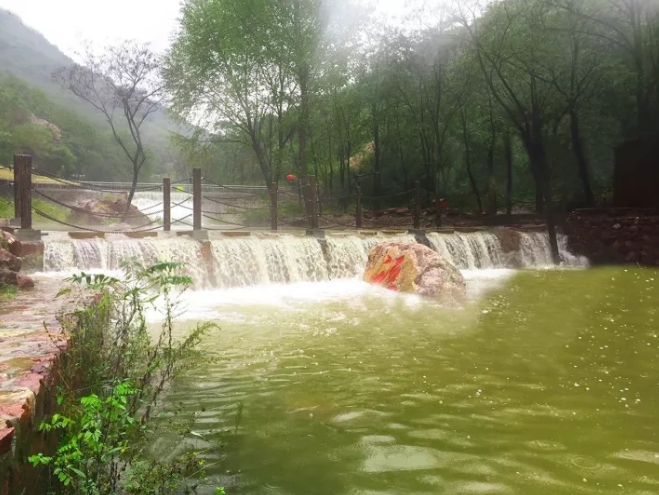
<point>150,203</point>
<point>247,261</point>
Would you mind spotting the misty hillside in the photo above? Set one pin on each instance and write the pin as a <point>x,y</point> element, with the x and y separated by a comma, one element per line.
<point>27,54</point>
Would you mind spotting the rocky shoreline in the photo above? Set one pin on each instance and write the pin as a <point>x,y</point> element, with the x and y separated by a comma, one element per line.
<point>615,235</point>
<point>11,262</point>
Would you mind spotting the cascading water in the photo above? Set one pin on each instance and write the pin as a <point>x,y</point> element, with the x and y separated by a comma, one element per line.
<point>469,251</point>
<point>276,259</point>
<point>483,250</point>
<point>151,204</point>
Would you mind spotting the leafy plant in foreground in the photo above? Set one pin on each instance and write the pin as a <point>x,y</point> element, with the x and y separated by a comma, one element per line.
<point>113,374</point>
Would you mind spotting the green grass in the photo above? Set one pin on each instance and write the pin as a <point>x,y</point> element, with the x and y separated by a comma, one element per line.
<point>55,211</point>
<point>8,175</point>
<point>7,292</point>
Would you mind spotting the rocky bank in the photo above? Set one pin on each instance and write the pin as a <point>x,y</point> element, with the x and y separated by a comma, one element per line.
<point>615,235</point>
<point>11,264</point>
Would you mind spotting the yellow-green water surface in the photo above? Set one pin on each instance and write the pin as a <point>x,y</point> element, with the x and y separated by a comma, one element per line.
<point>546,384</point>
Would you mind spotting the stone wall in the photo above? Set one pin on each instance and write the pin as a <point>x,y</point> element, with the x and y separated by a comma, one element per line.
<point>615,235</point>
<point>636,175</point>
<point>29,357</point>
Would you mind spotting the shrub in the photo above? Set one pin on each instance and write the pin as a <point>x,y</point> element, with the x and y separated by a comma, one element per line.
<point>113,375</point>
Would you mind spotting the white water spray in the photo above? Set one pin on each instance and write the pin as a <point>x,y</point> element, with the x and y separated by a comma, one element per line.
<point>283,259</point>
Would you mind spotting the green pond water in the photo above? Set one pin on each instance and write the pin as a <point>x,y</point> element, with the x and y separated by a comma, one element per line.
<point>548,383</point>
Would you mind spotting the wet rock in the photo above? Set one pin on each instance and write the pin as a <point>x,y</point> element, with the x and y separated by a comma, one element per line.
<point>414,268</point>
<point>24,282</point>
<point>9,261</point>
<point>510,240</point>
<point>7,277</point>
<point>104,211</point>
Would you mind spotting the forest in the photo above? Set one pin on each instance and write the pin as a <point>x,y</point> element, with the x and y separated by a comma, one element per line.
<point>514,104</point>
<point>69,147</point>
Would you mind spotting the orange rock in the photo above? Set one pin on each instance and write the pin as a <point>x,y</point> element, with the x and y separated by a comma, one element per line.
<point>414,268</point>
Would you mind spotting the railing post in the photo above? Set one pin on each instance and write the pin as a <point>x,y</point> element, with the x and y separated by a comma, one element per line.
<point>167,204</point>
<point>417,206</point>
<point>196,199</point>
<point>274,193</point>
<point>312,195</point>
<point>17,186</point>
<point>359,219</point>
<point>25,164</point>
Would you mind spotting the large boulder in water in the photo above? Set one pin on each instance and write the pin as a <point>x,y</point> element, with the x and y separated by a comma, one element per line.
<point>414,268</point>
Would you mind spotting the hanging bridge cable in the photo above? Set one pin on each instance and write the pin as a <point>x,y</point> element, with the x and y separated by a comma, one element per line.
<point>247,208</point>
<point>212,229</point>
<point>137,230</point>
<point>77,209</point>
<point>88,186</point>
<point>227,222</point>
<point>222,213</point>
<point>233,186</point>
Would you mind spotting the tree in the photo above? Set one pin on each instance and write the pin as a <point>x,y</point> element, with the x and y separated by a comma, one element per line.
<point>510,47</point>
<point>225,69</point>
<point>123,83</point>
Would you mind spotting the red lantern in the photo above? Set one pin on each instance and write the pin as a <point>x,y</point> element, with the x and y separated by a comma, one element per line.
<point>291,178</point>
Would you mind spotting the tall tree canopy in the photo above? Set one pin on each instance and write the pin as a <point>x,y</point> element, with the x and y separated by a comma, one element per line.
<point>518,103</point>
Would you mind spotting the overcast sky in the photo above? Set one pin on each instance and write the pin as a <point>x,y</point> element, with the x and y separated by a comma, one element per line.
<point>68,23</point>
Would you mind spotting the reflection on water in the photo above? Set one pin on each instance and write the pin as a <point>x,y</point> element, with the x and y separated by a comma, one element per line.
<point>547,384</point>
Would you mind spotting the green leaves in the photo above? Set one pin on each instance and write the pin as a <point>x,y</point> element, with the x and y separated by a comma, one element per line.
<point>122,367</point>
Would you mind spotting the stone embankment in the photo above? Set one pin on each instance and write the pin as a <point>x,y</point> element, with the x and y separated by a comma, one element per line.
<point>11,261</point>
<point>29,353</point>
<point>615,235</point>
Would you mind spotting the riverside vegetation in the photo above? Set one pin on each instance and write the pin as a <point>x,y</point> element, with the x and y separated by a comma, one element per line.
<point>111,380</point>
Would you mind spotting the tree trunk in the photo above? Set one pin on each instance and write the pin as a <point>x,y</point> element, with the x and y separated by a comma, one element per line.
<point>491,183</point>
<point>508,149</point>
<point>470,174</point>
<point>131,194</point>
<point>539,203</point>
<point>331,165</point>
<point>538,158</point>
<point>584,175</point>
<point>377,165</point>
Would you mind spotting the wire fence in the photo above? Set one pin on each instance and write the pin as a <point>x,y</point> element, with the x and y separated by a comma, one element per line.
<point>217,207</point>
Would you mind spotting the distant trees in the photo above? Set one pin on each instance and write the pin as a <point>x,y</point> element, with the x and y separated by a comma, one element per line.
<point>123,83</point>
<point>22,132</point>
<point>517,103</point>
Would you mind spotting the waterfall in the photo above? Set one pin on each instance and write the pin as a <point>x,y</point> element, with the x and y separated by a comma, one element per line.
<point>151,204</point>
<point>287,258</point>
<point>469,251</point>
<point>100,254</point>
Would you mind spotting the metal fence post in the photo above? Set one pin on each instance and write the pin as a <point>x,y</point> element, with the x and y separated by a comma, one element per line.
<point>167,204</point>
<point>196,199</point>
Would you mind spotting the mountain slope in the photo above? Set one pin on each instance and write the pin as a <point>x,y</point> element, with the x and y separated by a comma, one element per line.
<point>27,54</point>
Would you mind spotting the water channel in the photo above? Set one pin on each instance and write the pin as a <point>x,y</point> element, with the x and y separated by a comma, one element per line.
<point>546,383</point>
